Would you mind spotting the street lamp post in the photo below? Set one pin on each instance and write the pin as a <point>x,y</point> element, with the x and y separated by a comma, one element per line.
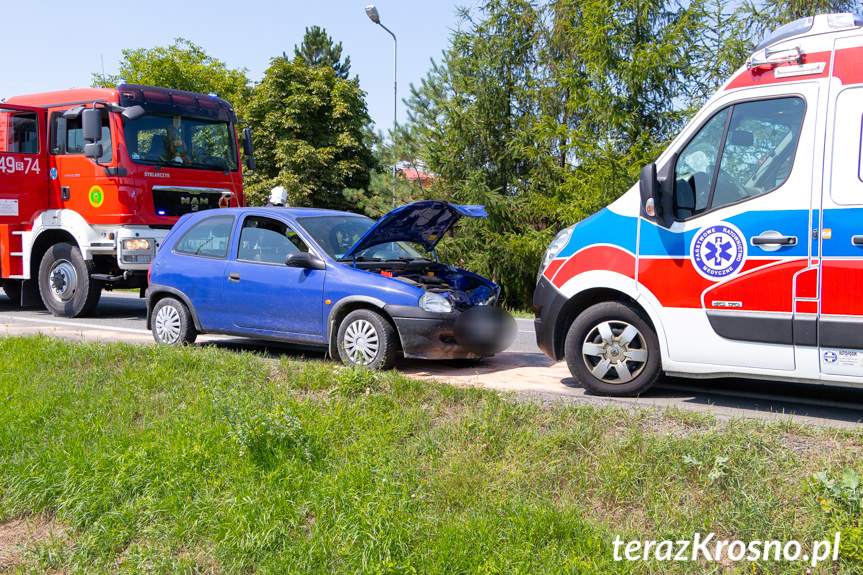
<point>373,15</point>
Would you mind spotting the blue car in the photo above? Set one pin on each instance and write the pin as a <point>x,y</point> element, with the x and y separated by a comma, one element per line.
<point>368,291</point>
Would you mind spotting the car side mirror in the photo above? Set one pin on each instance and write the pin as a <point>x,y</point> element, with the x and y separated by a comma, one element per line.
<point>305,260</point>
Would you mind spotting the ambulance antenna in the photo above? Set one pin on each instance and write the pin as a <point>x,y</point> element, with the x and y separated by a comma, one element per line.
<point>101,57</point>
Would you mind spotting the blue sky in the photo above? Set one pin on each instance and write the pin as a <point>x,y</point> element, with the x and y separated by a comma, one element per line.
<point>53,45</point>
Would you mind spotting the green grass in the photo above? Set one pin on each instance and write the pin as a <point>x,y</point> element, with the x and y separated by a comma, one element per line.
<point>199,460</point>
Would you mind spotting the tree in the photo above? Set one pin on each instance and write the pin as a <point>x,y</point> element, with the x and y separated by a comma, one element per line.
<point>472,122</point>
<point>309,135</point>
<point>182,66</point>
<point>318,49</point>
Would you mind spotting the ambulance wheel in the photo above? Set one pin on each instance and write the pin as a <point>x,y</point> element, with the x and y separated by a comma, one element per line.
<point>13,290</point>
<point>65,284</point>
<point>365,338</point>
<point>611,350</point>
<point>172,323</point>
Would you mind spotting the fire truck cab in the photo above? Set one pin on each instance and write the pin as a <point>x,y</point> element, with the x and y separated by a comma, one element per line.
<point>91,180</point>
<point>740,251</point>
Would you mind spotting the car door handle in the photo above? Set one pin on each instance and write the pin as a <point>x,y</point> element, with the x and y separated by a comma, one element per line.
<point>774,240</point>
<point>233,277</point>
<point>857,240</point>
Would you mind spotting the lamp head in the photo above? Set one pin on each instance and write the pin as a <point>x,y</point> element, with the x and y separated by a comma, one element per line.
<point>372,13</point>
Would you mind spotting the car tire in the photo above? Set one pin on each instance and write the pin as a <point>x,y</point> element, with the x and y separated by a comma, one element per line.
<point>12,288</point>
<point>172,323</point>
<point>65,284</point>
<point>367,339</point>
<point>611,350</point>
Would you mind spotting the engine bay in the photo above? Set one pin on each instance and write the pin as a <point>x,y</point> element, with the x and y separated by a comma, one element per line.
<point>462,288</point>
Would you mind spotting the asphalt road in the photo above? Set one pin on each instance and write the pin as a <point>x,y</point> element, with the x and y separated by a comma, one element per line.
<point>522,369</point>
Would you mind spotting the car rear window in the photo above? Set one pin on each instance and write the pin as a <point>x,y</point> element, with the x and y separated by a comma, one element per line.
<point>208,238</point>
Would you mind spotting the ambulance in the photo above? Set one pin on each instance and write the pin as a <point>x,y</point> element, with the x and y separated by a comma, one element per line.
<point>740,251</point>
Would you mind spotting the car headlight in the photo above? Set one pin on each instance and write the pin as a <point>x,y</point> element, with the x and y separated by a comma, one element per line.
<point>435,303</point>
<point>558,243</point>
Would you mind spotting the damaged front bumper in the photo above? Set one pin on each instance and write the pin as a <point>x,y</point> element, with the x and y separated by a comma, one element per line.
<point>478,332</point>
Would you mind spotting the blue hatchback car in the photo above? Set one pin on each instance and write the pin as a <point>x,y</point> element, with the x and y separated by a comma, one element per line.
<point>367,290</point>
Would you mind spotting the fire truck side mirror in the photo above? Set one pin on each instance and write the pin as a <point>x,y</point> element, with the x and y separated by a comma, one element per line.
<point>93,150</point>
<point>132,113</point>
<point>91,125</point>
<point>248,149</point>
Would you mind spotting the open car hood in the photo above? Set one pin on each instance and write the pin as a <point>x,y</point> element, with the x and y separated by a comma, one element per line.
<point>424,223</point>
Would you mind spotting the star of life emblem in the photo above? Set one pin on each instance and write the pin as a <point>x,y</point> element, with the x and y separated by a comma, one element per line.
<point>718,251</point>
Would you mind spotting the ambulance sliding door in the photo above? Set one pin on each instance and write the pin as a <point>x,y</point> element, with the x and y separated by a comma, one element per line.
<point>840,322</point>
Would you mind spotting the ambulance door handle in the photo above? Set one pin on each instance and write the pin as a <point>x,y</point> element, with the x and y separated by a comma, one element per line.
<point>774,239</point>
<point>857,240</point>
<point>233,277</point>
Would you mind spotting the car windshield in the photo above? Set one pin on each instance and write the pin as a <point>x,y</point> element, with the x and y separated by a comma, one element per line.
<point>337,234</point>
<point>181,141</point>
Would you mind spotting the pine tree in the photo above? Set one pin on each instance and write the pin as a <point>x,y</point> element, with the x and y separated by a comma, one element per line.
<point>318,49</point>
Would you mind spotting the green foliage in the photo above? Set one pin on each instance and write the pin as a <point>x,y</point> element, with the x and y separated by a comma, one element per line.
<point>264,428</point>
<point>318,49</point>
<point>195,460</point>
<point>842,499</point>
<point>182,66</point>
<point>309,136</point>
<point>845,495</point>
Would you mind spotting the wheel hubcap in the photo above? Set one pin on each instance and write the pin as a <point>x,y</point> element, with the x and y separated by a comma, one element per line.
<point>63,280</point>
<point>361,342</point>
<point>614,352</point>
<point>168,324</point>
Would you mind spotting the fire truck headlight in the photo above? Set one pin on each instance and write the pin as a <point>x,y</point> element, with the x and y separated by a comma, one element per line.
<point>136,244</point>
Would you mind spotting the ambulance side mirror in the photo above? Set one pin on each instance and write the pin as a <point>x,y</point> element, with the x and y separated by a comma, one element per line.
<point>656,198</point>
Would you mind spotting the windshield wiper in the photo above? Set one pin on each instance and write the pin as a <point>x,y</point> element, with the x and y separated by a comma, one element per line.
<point>360,259</point>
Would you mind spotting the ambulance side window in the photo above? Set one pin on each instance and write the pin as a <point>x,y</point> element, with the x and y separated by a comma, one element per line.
<point>744,151</point>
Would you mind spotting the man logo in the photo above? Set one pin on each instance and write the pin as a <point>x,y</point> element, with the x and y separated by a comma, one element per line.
<point>718,251</point>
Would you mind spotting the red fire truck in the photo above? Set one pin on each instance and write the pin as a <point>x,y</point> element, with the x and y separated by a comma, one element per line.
<point>91,180</point>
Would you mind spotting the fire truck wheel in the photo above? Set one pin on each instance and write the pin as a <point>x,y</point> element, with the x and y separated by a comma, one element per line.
<point>65,283</point>
<point>13,290</point>
<point>172,323</point>
<point>611,350</point>
<point>365,338</point>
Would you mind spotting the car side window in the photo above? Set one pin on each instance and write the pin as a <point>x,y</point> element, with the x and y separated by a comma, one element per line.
<point>267,240</point>
<point>744,151</point>
<point>208,238</point>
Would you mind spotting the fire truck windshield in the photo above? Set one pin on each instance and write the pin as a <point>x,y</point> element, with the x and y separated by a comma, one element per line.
<point>181,141</point>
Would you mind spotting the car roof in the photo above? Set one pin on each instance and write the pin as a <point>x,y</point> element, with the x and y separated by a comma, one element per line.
<point>291,211</point>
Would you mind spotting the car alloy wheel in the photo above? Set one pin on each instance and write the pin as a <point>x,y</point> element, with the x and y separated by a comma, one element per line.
<point>614,352</point>
<point>611,349</point>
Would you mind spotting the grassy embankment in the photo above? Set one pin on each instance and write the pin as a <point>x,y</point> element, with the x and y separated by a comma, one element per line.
<point>117,458</point>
